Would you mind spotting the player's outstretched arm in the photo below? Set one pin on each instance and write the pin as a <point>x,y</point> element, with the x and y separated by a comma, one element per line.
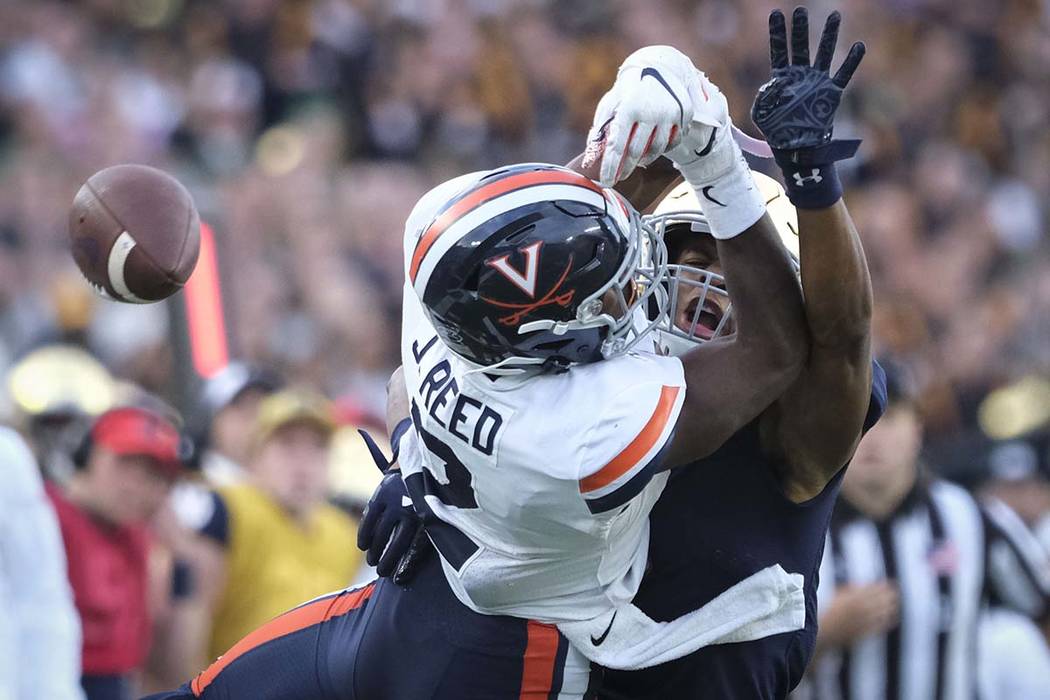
<point>816,424</point>
<point>662,104</point>
<point>731,382</point>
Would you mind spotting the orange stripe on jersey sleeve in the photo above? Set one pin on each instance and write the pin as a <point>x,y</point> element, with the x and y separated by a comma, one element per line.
<point>638,448</point>
<point>541,652</point>
<point>484,194</point>
<point>292,621</point>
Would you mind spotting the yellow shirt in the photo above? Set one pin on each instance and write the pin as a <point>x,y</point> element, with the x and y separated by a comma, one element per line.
<point>273,563</point>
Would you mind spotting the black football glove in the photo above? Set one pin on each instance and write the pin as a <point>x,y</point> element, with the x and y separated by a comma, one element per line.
<point>795,110</point>
<point>391,532</point>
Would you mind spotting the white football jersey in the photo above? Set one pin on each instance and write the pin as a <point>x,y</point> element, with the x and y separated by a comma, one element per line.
<point>537,488</point>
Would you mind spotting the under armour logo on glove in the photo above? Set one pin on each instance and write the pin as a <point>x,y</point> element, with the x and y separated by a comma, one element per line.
<point>813,177</point>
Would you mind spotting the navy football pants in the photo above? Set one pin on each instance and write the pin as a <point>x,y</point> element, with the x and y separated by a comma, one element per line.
<point>386,642</point>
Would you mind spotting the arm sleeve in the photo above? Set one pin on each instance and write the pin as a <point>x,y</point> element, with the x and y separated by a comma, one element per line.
<point>1018,569</point>
<point>42,626</point>
<point>626,445</point>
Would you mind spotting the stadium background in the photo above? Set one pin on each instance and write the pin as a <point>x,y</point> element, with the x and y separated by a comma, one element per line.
<point>307,129</point>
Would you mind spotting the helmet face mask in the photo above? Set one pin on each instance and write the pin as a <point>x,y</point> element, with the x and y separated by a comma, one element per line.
<point>708,287</point>
<point>691,292</point>
<point>677,331</point>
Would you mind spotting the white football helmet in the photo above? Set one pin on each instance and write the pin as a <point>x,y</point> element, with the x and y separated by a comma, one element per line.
<point>707,319</point>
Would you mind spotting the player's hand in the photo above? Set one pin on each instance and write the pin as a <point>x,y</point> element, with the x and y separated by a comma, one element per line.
<point>795,110</point>
<point>859,611</point>
<point>391,533</point>
<point>659,101</point>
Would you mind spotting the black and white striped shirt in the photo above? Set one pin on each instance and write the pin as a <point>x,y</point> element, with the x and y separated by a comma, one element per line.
<point>950,557</point>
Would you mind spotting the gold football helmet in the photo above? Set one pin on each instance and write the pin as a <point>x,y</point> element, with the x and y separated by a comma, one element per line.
<point>698,291</point>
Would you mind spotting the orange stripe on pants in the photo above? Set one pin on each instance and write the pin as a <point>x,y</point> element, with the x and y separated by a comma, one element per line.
<point>292,621</point>
<point>541,652</point>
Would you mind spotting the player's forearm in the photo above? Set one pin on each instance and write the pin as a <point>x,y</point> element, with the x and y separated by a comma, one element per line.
<point>733,381</point>
<point>819,418</point>
<point>835,282</point>
<point>645,186</point>
<point>767,302</point>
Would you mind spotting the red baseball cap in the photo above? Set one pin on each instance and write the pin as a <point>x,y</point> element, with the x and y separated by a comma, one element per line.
<point>136,431</point>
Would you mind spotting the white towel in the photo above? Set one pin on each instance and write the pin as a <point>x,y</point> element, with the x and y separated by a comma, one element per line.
<point>766,603</point>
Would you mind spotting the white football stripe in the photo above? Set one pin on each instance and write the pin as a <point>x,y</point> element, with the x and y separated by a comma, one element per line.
<point>118,256</point>
<point>503,203</point>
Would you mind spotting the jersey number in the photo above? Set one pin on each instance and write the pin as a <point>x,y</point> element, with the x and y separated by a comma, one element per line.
<point>457,492</point>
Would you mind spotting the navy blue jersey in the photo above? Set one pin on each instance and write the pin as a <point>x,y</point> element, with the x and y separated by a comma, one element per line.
<point>719,521</point>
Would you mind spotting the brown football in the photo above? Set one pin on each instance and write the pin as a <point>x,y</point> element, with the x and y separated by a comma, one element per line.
<point>135,233</point>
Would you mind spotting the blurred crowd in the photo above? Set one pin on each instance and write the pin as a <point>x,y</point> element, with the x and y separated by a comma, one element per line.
<point>134,548</point>
<point>307,129</point>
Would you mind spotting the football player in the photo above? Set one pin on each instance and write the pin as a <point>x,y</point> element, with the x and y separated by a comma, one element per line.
<point>539,441</point>
<point>767,494</point>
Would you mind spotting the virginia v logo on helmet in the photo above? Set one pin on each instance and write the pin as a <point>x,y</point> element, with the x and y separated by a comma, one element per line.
<point>536,265</point>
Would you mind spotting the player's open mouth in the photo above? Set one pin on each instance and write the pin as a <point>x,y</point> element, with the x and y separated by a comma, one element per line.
<point>710,316</point>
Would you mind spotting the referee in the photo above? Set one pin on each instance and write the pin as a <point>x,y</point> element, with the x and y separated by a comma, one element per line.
<point>910,563</point>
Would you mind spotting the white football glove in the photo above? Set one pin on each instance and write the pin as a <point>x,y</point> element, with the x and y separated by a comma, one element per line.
<point>659,105</point>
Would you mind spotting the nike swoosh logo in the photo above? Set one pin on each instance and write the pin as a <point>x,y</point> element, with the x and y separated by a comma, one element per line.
<point>597,641</point>
<point>653,73</point>
<point>710,142</point>
<point>706,191</point>
<point>603,129</point>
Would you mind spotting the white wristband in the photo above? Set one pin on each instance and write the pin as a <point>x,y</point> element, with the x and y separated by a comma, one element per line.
<point>732,202</point>
<point>723,183</point>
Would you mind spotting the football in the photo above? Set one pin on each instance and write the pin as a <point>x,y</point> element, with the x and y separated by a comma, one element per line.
<point>135,233</point>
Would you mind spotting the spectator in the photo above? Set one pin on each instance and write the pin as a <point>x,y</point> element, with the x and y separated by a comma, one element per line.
<point>1019,476</point>
<point>230,401</point>
<point>125,470</point>
<point>228,410</point>
<point>307,130</point>
<point>910,563</point>
<point>276,541</point>
<point>39,629</point>
<point>55,393</point>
